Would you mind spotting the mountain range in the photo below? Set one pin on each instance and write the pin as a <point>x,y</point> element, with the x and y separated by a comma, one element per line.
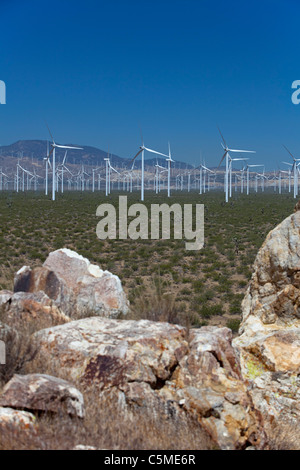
<point>90,156</point>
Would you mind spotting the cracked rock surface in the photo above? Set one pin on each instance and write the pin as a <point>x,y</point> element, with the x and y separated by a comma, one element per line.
<point>160,366</point>
<point>269,340</point>
<point>75,285</point>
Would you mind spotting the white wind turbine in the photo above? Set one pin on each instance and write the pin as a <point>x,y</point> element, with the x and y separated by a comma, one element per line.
<point>142,150</point>
<point>295,170</point>
<point>54,147</point>
<point>251,166</point>
<point>60,169</point>
<point>230,170</point>
<point>169,161</point>
<point>47,162</point>
<point>108,169</point>
<point>157,176</point>
<point>289,173</point>
<point>243,178</point>
<point>206,171</point>
<point>97,170</point>
<point>6,178</point>
<point>226,155</point>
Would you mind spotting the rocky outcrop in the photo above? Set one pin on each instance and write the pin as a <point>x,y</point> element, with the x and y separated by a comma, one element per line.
<point>40,392</point>
<point>269,341</point>
<point>269,331</point>
<point>109,351</point>
<point>77,287</point>
<point>208,383</point>
<point>273,295</point>
<point>35,309</point>
<point>237,390</point>
<point>158,367</point>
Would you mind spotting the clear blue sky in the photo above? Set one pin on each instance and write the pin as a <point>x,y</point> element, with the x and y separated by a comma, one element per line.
<point>98,71</point>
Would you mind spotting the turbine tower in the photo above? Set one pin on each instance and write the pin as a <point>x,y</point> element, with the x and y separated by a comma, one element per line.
<point>226,155</point>
<point>54,147</point>
<point>295,170</point>
<point>142,150</point>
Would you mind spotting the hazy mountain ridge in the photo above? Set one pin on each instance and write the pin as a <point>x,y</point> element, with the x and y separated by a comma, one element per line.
<point>93,156</point>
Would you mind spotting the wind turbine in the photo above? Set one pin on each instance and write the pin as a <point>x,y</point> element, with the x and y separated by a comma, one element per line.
<point>142,150</point>
<point>289,173</point>
<point>169,161</point>
<point>295,169</point>
<point>157,176</point>
<point>230,170</point>
<point>251,166</point>
<point>60,168</point>
<point>226,155</point>
<point>54,147</point>
<point>108,169</point>
<point>47,162</point>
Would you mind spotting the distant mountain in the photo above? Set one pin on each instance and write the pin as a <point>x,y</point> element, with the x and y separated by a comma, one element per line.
<point>91,156</point>
<point>37,150</point>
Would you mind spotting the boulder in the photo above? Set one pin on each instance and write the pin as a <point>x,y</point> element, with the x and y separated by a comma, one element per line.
<point>109,352</point>
<point>160,368</point>
<point>16,421</point>
<point>208,384</point>
<point>40,392</point>
<point>269,330</point>
<point>268,344</point>
<point>35,309</point>
<point>76,286</point>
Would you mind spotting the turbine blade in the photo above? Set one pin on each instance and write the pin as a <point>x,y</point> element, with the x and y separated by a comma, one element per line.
<point>136,155</point>
<point>154,151</point>
<point>289,152</point>
<point>222,159</point>
<point>49,132</point>
<point>222,137</point>
<point>242,151</point>
<point>63,162</point>
<point>68,147</point>
<point>142,139</point>
<point>51,151</point>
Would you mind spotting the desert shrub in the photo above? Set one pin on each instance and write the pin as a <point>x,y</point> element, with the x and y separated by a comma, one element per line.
<point>233,324</point>
<point>156,304</point>
<point>108,425</point>
<point>207,311</point>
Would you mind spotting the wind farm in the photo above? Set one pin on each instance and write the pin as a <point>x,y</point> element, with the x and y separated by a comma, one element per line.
<point>162,174</point>
<point>149,228</point>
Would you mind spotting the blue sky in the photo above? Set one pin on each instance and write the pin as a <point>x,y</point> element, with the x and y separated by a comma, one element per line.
<point>99,71</point>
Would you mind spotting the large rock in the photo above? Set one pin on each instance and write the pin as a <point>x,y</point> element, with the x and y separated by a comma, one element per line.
<point>40,392</point>
<point>208,383</point>
<point>32,309</point>
<point>271,308</point>
<point>77,287</point>
<point>109,351</point>
<point>16,421</point>
<point>269,341</point>
<point>273,295</point>
<point>158,367</point>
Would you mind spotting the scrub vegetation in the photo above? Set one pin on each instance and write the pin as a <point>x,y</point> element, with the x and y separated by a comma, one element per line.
<point>162,279</point>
